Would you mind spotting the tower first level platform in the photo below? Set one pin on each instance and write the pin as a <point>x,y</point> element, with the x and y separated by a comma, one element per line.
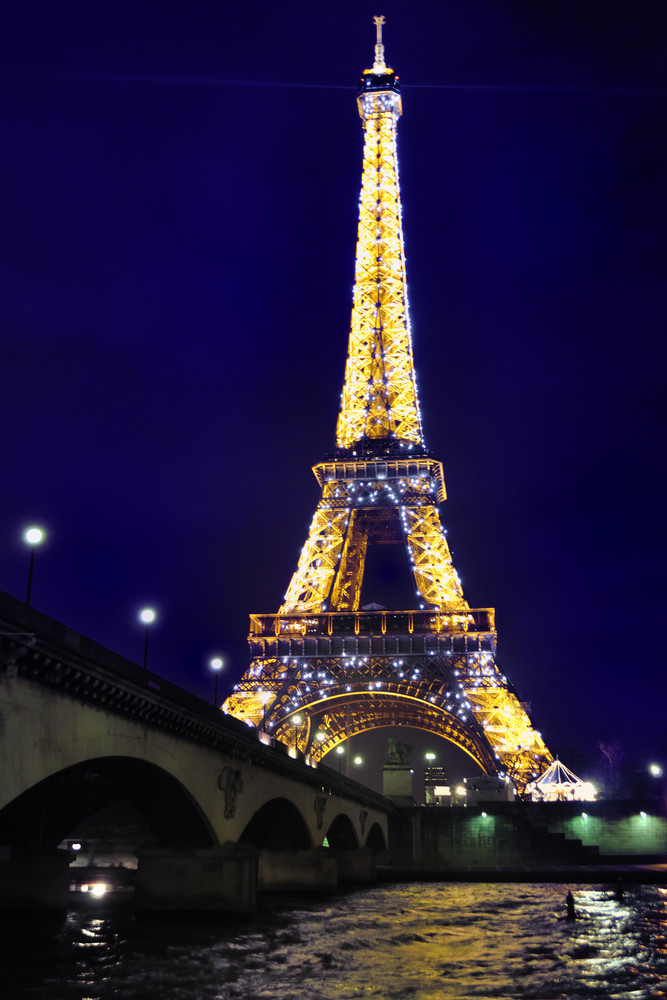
<point>317,680</point>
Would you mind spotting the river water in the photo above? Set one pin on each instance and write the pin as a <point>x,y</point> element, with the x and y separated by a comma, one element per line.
<point>417,941</point>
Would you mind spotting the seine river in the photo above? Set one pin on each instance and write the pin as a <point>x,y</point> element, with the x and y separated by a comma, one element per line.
<point>408,942</point>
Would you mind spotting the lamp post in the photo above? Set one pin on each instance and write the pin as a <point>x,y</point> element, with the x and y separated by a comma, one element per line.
<point>340,750</point>
<point>216,664</point>
<point>147,616</point>
<point>33,537</point>
<point>296,722</point>
<point>265,698</point>
<point>429,783</point>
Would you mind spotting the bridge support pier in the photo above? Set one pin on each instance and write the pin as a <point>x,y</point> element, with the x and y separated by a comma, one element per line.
<point>314,870</point>
<point>356,867</point>
<point>216,879</point>
<point>29,882</point>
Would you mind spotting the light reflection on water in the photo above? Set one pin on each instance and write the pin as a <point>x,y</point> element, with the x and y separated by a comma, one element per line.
<point>412,941</point>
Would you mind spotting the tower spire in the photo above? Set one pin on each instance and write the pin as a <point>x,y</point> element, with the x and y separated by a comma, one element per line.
<point>379,400</point>
<point>379,65</point>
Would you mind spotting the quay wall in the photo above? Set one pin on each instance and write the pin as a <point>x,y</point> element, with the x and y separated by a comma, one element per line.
<point>511,834</point>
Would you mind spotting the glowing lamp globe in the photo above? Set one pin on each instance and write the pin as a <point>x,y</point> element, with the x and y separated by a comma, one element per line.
<point>33,536</point>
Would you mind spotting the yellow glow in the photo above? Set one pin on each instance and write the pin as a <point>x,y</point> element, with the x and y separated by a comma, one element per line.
<point>435,576</point>
<point>379,397</point>
<point>381,487</point>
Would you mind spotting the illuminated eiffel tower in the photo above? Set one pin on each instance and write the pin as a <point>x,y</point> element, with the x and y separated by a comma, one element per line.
<point>323,669</point>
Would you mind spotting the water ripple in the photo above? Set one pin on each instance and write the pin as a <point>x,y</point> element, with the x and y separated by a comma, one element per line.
<point>403,942</point>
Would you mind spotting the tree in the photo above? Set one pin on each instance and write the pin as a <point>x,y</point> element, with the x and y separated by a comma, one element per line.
<point>611,755</point>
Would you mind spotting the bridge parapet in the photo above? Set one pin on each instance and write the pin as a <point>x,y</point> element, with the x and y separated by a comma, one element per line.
<point>37,648</point>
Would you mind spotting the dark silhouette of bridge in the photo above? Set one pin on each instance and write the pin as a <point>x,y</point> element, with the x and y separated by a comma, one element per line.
<point>82,728</point>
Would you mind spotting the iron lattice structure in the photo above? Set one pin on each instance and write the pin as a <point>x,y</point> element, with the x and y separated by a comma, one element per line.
<point>322,669</point>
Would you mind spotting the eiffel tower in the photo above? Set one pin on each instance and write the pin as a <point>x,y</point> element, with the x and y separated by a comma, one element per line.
<point>323,669</point>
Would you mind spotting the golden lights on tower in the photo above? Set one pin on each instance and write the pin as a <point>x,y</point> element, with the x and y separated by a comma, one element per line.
<point>341,669</point>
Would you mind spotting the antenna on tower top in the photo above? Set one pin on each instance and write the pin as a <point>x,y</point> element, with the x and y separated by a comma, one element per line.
<point>379,65</point>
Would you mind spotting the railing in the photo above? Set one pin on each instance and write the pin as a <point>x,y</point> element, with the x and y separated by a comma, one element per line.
<point>373,623</point>
<point>381,468</point>
<point>42,651</point>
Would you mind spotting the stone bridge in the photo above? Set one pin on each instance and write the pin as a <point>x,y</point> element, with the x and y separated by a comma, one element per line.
<point>82,728</point>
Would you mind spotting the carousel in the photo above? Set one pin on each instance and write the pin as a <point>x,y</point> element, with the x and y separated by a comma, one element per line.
<point>560,784</point>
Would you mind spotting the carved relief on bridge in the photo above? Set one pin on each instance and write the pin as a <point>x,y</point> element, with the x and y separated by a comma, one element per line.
<point>320,805</point>
<point>231,784</point>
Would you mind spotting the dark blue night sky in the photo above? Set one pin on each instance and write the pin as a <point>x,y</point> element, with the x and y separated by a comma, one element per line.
<point>180,186</point>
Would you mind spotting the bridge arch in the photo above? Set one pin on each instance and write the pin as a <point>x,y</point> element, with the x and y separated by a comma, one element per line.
<point>44,814</point>
<point>277,825</point>
<point>376,840</point>
<point>341,835</point>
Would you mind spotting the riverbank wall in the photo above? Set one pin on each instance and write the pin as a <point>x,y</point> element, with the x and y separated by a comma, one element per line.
<point>514,834</point>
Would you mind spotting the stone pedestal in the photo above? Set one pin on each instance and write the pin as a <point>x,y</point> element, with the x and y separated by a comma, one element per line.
<point>34,883</point>
<point>397,784</point>
<point>314,870</point>
<point>217,879</point>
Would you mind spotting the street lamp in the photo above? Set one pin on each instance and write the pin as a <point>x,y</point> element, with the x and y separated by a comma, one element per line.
<point>358,761</point>
<point>216,664</point>
<point>296,722</point>
<point>33,537</point>
<point>340,750</point>
<point>147,616</point>
<point>430,757</point>
<point>655,770</point>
